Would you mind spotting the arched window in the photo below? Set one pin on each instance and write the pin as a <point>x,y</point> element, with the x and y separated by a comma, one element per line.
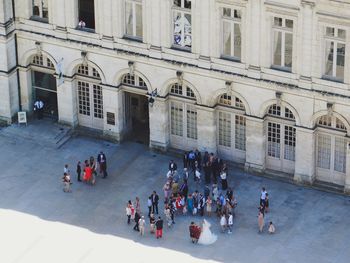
<point>42,61</point>
<point>133,80</point>
<point>280,111</point>
<point>231,125</point>
<point>331,149</point>
<point>90,97</point>
<point>183,116</point>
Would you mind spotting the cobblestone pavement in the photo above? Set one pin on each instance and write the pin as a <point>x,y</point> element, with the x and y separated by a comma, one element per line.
<point>41,223</point>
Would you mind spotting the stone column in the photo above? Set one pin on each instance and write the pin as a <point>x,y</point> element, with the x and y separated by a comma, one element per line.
<point>67,103</point>
<point>304,156</point>
<point>206,126</point>
<point>113,105</point>
<point>159,124</point>
<point>306,39</point>
<point>25,80</point>
<point>255,144</point>
<point>347,176</point>
<point>254,16</point>
<point>155,28</point>
<point>58,14</point>
<point>71,12</point>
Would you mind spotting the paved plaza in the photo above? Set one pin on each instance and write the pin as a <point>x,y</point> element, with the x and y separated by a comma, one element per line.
<point>41,223</point>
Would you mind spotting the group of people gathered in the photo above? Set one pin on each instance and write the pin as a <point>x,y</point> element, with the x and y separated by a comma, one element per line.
<point>87,172</point>
<point>179,201</point>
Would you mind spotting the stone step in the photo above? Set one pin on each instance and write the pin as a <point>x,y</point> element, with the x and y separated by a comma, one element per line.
<point>328,187</point>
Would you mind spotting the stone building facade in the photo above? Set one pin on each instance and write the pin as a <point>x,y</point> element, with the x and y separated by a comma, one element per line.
<point>263,83</point>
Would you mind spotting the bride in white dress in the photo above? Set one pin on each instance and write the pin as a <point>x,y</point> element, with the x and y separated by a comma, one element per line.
<point>206,237</point>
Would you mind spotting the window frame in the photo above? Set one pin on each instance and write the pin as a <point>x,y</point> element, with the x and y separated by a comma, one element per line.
<point>283,29</point>
<point>40,17</point>
<point>232,20</point>
<point>336,41</point>
<point>133,36</point>
<point>183,12</point>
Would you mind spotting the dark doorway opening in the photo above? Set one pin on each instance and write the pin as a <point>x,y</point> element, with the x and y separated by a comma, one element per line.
<point>137,118</point>
<point>45,89</point>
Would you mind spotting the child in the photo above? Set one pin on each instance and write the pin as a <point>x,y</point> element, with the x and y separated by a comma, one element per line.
<point>272,228</point>
<point>66,182</point>
<point>223,222</point>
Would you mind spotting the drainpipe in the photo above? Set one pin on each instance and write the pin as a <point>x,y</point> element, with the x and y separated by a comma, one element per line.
<point>16,48</point>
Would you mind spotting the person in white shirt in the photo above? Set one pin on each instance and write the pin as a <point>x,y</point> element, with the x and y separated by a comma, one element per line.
<point>142,224</point>
<point>223,223</point>
<point>272,228</point>
<point>39,108</point>
<point>263,196</point>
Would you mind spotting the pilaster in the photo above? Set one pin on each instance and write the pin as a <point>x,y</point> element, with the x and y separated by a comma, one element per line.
<point>255,144</point>
<point>206,126</point>
<point>304,156</point>
<point>159,125</point>
<point>113,107</point>
<point>67,103</point>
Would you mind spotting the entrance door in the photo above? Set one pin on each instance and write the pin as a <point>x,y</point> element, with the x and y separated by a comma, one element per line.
<point>136,125</point>
<point>45,89</point>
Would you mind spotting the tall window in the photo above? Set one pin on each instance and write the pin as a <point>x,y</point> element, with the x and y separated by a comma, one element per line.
<point>86,14</point>
<point>40,10</point>
<point>231,33</point>
<point>282,43</point>
<point>182,20</point>
<point>133,18</point>
<point>335,53</point>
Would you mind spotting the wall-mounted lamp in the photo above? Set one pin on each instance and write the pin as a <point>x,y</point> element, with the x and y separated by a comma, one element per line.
<point>151,97</point>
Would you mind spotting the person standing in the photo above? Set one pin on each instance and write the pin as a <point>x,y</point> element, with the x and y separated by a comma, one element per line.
<point>66,182</point>
<point>261,222</point>
<point>87,173</point>
<point>137,218</point>
<point>223,222</point>
<point>185,160</point>
<point>102,163</point>
<point>267,203</point>
<point>128,211</point>
<point>272,228</point>
<point>93,170</point>
<point>209,203</point>
<point>263,196</point>
<point>223,176</point>
<point>39,108</point>
<point>149,205</point>
<point>230,222</point>
<point>138,205</point>
<point>79,171</point>
<point>152,223</point>
<point>159,227</point>
<point>172,166</point>
<point>142,224</point>
<point>155,200</point>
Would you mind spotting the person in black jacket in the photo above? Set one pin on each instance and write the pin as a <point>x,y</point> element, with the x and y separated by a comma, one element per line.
<point>155,200</point>
<point>172,166</point>
<point>137,218</point>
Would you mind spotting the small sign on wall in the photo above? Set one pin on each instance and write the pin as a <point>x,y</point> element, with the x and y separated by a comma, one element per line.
<point>22,117</point>
<point>110,118</point>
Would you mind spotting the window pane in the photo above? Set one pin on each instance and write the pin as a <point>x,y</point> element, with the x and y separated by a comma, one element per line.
<point>129,18</point>
<point>329,58</point>
<point>139,20</point>
<point>237,13</point>
<point>274,140</point>
<point>289,143</point>
<point>340,61</point>
<point>227,38</point>
<point>237,41</point>
<point>44,80</point>
<point>324,151</point>
<point>340,155</point>
<point>330,31</point>
<point>44,9</point>
<point>177,3</point>
<point>277,21</point>
<point>187,4</point>
<point>226,12</point>
<point>288,55</point>
<point>84,98</point>
<point>98,101</point>
<point>191,122</point>
<point>289,23</point>
<point>277,58</point>
<point>188,30</point>
<point>87,13</point>
<point>225,129</point>
<point>240,137</point>
<point>178,28</point>
<point>176,119</point>
<point>36,7</point>
<point>342,33</point>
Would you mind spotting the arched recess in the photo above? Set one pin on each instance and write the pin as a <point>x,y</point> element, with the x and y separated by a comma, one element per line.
<point>71,69</point>
<point>168,84</point>
<point>280,122</point>
<point>43,83</point>
<point>133,80</point>
<point>87,80</point>
<point>218,93</point>
<point>26,58</point>
<point>231,127</point>
<point>331,131</point>
<point>182,101</point>
<point>317,115</point>
<point>266,105</point>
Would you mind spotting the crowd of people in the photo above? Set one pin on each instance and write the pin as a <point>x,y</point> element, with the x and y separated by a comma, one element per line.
<point>88,172</point>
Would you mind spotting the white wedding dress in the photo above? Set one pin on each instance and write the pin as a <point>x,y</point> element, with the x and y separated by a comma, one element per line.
<point>207,237</point>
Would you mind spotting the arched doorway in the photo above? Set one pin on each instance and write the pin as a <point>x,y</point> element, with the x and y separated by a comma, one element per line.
<point>331,144</point>
<point>89,96</point>
<point>183,117</point>
<point>44,85</point>
<point>281,139</point>
<point>231,128</point>
<point>136,117</point>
